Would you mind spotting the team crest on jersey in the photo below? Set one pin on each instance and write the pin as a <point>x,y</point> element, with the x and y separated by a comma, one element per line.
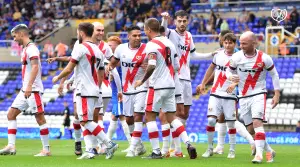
<point>233,115</point>
<point>260,65</point>
<point>231,63</point>
<point>138,57</point>
<point>123,56</point>
<point>210,109</point>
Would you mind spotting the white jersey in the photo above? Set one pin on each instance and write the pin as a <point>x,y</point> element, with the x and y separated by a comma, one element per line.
<point>89,59</point>
<point>184,45</point>
<point>221,82</point>
<point>252,72</point>
<point>105,49</point>
<point>105,86</point>
<point>131,61</point>
<point>162,53</point>
<point>29,53</point>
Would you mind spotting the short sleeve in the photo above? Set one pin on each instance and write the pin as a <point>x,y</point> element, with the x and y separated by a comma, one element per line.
<point>192,46</point>
<point>118,52</point>
<point>151,52</point>
<point>76,54</point>
<point>214,60</point>
<point>32,52</point>
<point>108,53</point>
<point>269,64</point>
<point>233,62</point>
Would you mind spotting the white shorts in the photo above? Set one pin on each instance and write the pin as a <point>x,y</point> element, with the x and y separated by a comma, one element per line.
<point>163,99</point>
<point>178,91</point>
<point>106,90</point>
<point>253,108</point>
<point>217,106</point>
<point>187,95</point>
<point>99,103</point>
<point>134,103</point>
<point>34,103</point>
<point>74,97</point>
<point>105,102</point>
<point>85,107</point>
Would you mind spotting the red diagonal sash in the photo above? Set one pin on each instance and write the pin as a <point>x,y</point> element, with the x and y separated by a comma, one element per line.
<point>139,58</point>
<point>91,58</point>
<point>164,54</point>
<point>251,81</point>
<point>187,43</point>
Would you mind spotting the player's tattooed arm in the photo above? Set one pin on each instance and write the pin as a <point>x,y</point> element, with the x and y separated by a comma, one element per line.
<point>112,64</point>
<point>67,71</point>
<point>34,71</point>
<point>150,69</point>
<point>63,59</point>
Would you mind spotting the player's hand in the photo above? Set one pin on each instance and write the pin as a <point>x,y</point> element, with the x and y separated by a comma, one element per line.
<point>165,15</point>
<point>120,96</point>
<point>234,78</point>
<point>55,79</point>
<point>107,69</point>
<point>28,92</point>
<point>231,87</point>
<point>200,89</point>
<point>275,100</point>
<point>50,60</point>
<point>60,89</point>
<point>137,83</point>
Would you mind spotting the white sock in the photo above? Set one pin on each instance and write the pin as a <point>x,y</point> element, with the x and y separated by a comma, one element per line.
<point>176,140</point>
<point>131,129</point>
<point>44,132</point>
<point>267,148</point>
<point>112,128</point>
<point>232,134</point>
<point>87,138</point>
<point>221,134</point>
<point>183,121</point>
<point>180,130</point>
<point>77,132</point>
<point>100,123</point>
<point>210,131</point>
<point>97,131</point>
<point>165,129</point>
<point>242,131</point>
<point>172,141</point>
<point>260,139</point>
<point>12,131</point>
<point>126,130</point>
<point>136,135</point>
<point>153,136</point>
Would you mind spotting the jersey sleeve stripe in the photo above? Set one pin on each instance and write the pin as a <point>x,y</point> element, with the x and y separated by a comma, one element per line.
<point>169,34</point>
<point>34,57</point>
<point>115,57</point>
<point>74,61</point>
<point>271,68</point>
<point>193,50</point>
<point>213,63</point>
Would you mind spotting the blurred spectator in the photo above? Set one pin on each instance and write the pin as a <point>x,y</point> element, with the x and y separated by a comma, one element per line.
<point>17,15</point>
<point>128,22</point>
<point>119,15</point>
<point>38,13</point>
<point>48,48</point>
<point>250,17</point>
<point>212,18</point>
<point>60,49</point>
<point>76,6</point>
<point>294,46</point>
<point>140,23</point>
<point>202,28</point>
<point>38,32</point>
<point>298,127</point>
<point>209,27</point>
<point>187,6</point>
<point>47,4</point>
<point>242,18</point>
<point>294,17</point>
<point>224,26</point>
<point>262,21</point>
<point>219,21</point>
<point>287,25</point>
<point>283,50</point>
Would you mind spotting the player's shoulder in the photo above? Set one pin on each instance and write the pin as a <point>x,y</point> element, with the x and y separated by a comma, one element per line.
<point>32,48</point>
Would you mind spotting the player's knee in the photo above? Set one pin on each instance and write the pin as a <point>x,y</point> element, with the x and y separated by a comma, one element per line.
<point>257,123</point>
<point>11,116</point>
<point>250,129</point>
<point>40,118</point>
<point>211,121</point>
<point>230,124</point>
<point>82,123</point>
<point>130,120</point>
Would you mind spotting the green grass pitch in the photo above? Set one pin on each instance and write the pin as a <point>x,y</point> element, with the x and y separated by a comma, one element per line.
<point>63,156</point>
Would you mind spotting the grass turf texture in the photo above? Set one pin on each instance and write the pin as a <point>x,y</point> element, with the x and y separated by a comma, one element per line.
<point>63,156</point>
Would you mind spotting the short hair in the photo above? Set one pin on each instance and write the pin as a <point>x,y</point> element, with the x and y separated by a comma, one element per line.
<point>224,32</point>
<point>115,39</point>
<point>153,24</point>
<point>133,27</point>
<point>230,37</point>
<point>162,29</point>
<point>87,28</point>
<point>20,27</point>
<point>181,13</point>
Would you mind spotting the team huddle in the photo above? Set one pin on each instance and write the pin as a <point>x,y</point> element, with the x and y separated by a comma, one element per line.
<point>146,80</point>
